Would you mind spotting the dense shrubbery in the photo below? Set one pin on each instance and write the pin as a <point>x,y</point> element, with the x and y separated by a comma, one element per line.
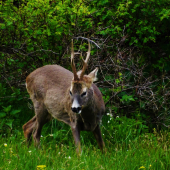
<point>133,57</point>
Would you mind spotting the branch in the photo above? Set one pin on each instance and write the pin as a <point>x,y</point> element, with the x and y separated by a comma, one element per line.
<point>87,40</point>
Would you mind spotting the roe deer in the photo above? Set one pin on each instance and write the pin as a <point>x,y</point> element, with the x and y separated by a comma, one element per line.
<point>66,96</point>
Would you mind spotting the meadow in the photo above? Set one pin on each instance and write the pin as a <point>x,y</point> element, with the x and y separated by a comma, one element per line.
<point>128,147</point>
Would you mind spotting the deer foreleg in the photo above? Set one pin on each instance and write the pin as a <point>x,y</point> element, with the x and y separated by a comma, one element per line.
<point>98,136</point>
<point>76,135</point>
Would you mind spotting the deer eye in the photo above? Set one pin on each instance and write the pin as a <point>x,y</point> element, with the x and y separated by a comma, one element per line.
<point>71,93</point>
<point>83,94</point>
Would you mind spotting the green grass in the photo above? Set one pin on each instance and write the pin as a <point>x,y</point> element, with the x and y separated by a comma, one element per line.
<point>146,151</point>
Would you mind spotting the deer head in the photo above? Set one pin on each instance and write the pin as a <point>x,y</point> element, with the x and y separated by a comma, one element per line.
<point>81,91</point>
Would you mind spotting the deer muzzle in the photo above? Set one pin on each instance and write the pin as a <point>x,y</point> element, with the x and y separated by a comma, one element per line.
<point>76,107</point>
<point>76,110</point>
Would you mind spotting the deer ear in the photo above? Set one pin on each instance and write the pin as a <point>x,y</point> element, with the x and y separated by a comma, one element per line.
<point>93,74</point>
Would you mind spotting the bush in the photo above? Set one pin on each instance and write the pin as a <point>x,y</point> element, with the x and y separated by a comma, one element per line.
<point>133,57</point>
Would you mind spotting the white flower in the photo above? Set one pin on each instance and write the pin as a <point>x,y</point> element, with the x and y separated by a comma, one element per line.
<point>5,144</point>
<point>69,157</point>
<point>29,151</point>
<point>117,116</point>
<point>41,135</point>
<point>108,114</point>
<point>103,134</point>
<point>108,121</point>
<point>51,134</point>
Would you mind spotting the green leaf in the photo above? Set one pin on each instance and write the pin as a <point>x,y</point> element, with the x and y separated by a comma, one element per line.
<point>9,123</point>
<point>13,112</point>
<point>127,98</point>
<point>7,109</point>
<point>48,32</point>
<point>9,23</point>
<point>2,26</point>
<point>2,123</point>
<point>145,40</point>
<point>2,114</point>
<point>117,81</point>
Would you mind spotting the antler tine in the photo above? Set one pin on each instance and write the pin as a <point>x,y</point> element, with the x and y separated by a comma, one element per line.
<point>85,62</point>
<point>72,62</point>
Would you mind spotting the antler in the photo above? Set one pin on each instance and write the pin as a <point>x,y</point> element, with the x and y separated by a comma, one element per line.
<point>85,61</point>
<point>72,62</point>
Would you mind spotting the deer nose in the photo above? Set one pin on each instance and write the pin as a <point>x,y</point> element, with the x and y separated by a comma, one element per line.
<point>76,109</point>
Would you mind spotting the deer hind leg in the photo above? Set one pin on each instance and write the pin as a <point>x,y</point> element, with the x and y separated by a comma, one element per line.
<point>98,136</point>
<point>28,129</point>
<point>42,117</point>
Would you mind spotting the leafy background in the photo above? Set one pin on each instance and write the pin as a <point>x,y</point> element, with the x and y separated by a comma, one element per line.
<point>130,45</point>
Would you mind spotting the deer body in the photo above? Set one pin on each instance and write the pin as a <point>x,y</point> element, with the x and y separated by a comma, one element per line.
<point>69,97</point>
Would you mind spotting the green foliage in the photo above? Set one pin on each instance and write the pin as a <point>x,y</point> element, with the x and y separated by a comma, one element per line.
<point>37,21</point>
<point>11,109</point>
<point>57,131</point>
<point>142,19</point>
<point>122,129</point>
<point>127,98</point>
<point>134,55</point>
<point>6,115</point>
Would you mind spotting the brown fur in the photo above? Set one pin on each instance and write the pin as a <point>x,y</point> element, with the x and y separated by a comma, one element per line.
<point>52,90</point>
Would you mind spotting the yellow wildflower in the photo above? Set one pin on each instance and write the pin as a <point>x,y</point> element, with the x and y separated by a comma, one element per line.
<point>5,144</point>
<point>41,167</point>
<point>142,167</point>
